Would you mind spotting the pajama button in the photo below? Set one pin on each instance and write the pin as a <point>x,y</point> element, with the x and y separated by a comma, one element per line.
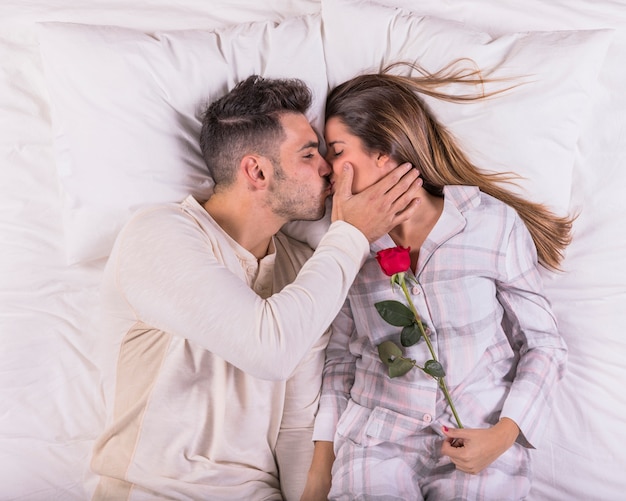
<point>427,418</point>
<point>415,290</point>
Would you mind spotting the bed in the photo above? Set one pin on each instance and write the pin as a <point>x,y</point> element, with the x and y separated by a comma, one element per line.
<point>99,106</point>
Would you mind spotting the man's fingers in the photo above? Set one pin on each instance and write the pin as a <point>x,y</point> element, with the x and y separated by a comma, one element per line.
<point>393,178</point>
<point>380,207</point>
<point>342,191</point>
<point>398,190</point>
<point>409,184</point>
<point>402,198</point>
<point>343,182</point>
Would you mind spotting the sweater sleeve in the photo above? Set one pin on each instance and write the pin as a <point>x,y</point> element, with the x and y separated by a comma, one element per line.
<point>167,270</point>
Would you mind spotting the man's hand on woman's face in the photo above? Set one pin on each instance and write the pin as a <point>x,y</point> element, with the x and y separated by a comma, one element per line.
<point>380,207</point>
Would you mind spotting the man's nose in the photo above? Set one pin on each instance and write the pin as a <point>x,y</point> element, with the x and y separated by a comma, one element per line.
<point>325,167</point>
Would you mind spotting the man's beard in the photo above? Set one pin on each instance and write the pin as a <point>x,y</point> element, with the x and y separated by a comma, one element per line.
<point>293,201</point>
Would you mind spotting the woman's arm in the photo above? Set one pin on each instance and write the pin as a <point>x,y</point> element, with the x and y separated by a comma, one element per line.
<point>319,477</point>
<point>339,370</point>
<point>294,446</point>
<point>532,330</point>
<point>532,333</point>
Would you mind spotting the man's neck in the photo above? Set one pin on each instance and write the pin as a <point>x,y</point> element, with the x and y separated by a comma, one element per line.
<point>245,221</point>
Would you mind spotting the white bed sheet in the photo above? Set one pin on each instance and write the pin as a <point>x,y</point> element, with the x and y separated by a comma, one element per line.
<point>51,400</point>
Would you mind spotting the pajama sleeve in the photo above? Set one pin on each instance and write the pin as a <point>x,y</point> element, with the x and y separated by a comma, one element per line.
<point>532,331</point>
<point>339,370</point>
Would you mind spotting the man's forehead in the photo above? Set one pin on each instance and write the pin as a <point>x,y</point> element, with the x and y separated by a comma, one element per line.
<point>298,131</point>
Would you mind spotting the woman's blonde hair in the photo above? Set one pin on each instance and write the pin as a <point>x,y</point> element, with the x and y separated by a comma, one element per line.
<point>386,112</point>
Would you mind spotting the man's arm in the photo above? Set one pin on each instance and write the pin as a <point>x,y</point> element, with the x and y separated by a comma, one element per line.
<point>176,278</point>
<point>180,280</point>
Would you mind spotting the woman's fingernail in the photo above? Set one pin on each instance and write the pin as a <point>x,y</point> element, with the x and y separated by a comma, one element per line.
<point>445,428</point>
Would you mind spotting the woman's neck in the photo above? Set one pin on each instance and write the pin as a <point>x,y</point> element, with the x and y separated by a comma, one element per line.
<point>414,232</point>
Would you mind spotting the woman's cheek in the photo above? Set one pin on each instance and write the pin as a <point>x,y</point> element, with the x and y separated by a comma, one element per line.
<point>358,184</point>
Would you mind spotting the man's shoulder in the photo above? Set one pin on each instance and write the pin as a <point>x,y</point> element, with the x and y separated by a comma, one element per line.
<point>159,223</point>
<point>161,213</point>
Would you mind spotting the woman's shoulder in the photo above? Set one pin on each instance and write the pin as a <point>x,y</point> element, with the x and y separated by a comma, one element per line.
<point>479,209</point>
<point>467,198</point>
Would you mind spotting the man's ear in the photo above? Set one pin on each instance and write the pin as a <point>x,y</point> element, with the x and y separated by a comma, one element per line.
<point>253,169</point>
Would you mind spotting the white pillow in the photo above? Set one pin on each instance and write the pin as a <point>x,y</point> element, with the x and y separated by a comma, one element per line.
<point>531,130</point>
<point>126,109</point>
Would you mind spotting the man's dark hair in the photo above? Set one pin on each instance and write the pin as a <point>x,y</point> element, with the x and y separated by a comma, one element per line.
<point>247,120</point>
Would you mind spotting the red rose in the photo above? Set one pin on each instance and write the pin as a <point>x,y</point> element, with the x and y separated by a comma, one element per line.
<point>394,260</point>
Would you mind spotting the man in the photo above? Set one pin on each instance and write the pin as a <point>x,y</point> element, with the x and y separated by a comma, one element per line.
<point>221,315</point>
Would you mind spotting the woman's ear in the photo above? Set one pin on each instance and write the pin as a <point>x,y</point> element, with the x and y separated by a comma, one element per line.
<point>385,162</point>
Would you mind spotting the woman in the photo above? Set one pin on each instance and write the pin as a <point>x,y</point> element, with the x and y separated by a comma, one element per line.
<point>475,248</point>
